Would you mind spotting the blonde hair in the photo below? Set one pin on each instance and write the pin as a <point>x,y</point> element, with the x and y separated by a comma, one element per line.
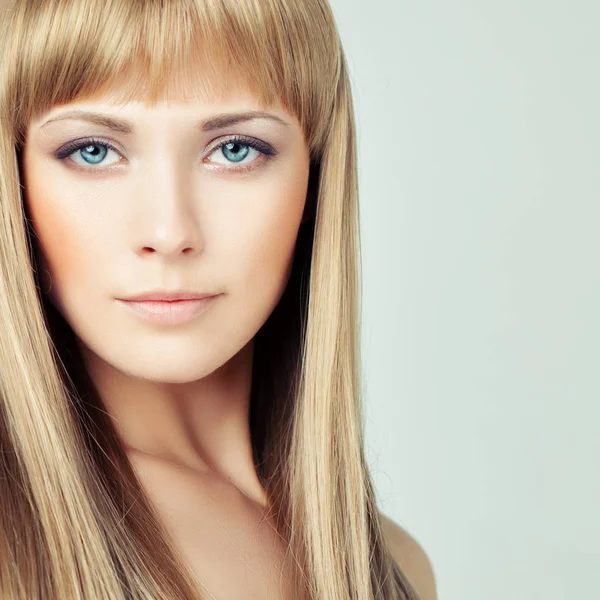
<point>74,522</point>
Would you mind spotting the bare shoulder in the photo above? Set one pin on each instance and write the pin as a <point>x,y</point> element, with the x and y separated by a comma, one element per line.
<point>411,557</point>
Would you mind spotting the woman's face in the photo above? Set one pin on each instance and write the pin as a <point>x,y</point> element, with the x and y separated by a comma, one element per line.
<point>157,201</point>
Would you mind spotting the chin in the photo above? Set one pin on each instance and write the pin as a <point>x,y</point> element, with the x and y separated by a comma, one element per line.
<point>167,367</point>
<point>161,363</point>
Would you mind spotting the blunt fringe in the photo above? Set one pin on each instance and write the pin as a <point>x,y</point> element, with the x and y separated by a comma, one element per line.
<point>74,521</point>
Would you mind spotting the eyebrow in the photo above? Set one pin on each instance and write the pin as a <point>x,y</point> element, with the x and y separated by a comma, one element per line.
<point>123,126</point>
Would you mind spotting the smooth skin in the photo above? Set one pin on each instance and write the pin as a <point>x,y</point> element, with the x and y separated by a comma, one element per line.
<point>169,206</point>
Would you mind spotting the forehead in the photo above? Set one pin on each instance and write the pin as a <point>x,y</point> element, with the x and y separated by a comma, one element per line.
<point>183,96</point>
<point>193,85</point>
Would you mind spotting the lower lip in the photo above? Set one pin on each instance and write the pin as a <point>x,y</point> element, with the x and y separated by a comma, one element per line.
<point>166,312</point>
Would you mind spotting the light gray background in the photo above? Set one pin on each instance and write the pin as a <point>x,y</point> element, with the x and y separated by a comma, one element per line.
<point>480,188</point>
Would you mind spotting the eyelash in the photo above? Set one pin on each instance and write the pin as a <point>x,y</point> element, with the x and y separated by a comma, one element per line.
<point>265,149</point>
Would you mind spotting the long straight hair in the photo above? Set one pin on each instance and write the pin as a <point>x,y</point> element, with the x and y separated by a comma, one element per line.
<point>74,521</point>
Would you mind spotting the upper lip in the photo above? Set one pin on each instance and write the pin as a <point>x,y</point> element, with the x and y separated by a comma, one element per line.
<point>158,295</point>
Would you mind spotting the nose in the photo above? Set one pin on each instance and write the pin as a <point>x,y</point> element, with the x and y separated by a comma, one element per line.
<point>168,222</point>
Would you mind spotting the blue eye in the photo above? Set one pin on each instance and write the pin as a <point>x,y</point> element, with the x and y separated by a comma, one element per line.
<point>231,150</point>
<point>93,150</point>
<point>235,149</point>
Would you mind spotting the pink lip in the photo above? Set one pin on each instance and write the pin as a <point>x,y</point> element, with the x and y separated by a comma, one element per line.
<point>169,312</point>
<point>167,295</point>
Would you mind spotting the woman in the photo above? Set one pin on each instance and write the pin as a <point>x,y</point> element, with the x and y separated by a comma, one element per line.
<point>168,446</point>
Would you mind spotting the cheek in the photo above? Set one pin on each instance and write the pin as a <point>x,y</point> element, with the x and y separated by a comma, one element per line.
<point>55,238</point>
<point>58,247</point>
<point>267,238</point>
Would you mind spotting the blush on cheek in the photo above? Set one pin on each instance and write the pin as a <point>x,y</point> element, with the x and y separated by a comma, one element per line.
<point>270,258</point>
<point>57,248</point>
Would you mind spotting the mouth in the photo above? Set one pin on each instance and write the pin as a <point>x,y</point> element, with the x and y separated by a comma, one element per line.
<point>167,295</point>
<point>169,312</point>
